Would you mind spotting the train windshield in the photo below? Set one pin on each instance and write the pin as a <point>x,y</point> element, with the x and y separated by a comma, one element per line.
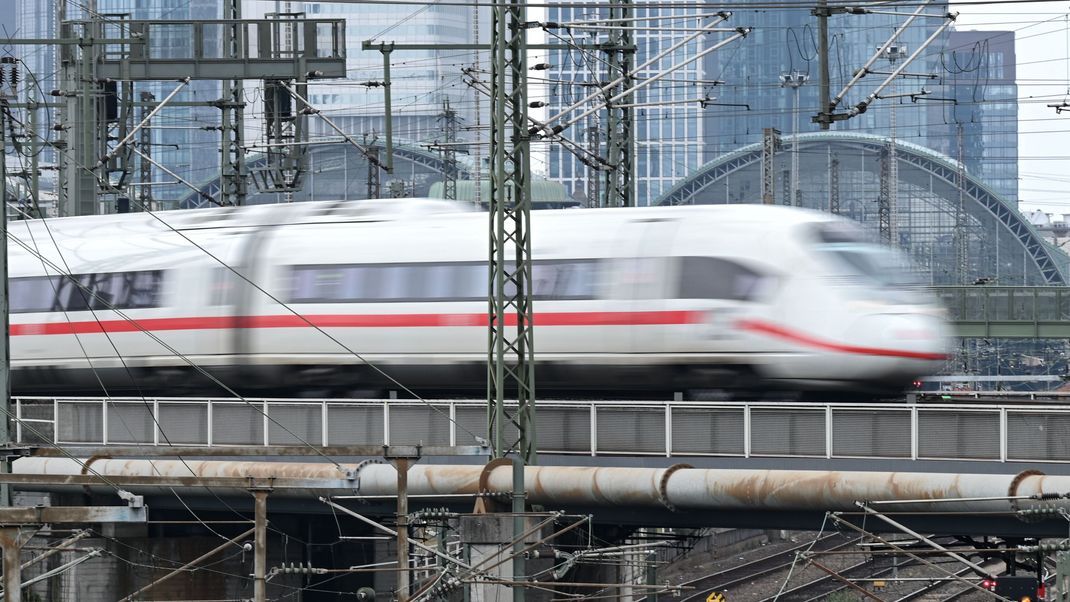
<point>856,259</point>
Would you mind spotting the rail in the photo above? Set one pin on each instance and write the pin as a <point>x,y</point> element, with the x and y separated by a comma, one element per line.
<point>993,433</point>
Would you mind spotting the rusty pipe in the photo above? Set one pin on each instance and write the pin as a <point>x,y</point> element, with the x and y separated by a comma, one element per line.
<point>562,486</point>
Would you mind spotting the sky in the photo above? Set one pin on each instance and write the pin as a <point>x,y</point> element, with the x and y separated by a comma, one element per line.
<point>1042,47</point>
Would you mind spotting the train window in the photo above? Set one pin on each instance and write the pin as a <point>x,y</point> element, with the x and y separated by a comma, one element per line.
<point>461,281</point>
<point>466,281</point>
<point>565,279</point>
<point>35,294</point>
<point>82,292</point>
<point>716,278</point>
<point>138,290</point>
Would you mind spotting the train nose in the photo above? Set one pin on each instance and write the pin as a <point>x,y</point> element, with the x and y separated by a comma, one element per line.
<point>904,346</point>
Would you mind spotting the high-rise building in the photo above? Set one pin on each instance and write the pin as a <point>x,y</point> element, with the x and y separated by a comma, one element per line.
<point>36,19</point>
<point>745,85</point>
<point>668,116</point>
<point>421,80</point>
<point>979,73</point>
<point>785,41</point>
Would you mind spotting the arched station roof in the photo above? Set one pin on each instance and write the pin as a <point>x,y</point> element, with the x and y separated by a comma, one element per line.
<point>1002,245</point>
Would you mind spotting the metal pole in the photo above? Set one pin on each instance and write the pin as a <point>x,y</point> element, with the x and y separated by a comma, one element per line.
<point>980,570</point>
<point>145,144</point>
<point>824,110</point>
<point>795,150</point>
<point>233,186</point>
<point>35,149</point>
<point>389,531</point>
<point>56,571</point>
<point>260,545</point>
<point>9,540</point>
<point>144,121</point>
<point>5,339</point>
<point>185,568</point>
<point>59,547</point>
<point>402,466</point>
<point>389,114</point>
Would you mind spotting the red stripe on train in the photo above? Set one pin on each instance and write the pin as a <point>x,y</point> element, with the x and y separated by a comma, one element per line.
<point>794,336</point>
<point>598,318</point>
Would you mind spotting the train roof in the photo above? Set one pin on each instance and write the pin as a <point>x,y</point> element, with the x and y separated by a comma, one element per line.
<point>382,210</point>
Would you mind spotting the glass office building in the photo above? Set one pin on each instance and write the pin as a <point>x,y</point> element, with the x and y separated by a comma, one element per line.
<point>421,80</point>
<point>979,72</point>
<point>743,85</point>
<point>670,139</point>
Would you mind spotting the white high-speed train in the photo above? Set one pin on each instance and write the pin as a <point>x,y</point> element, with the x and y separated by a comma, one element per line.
<point>627,301</point>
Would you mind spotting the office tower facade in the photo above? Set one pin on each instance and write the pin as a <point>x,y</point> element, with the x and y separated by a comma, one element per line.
<point>979,72</point>
<point>668,117</point>
<point>422,81</point>
<point>747,89</point>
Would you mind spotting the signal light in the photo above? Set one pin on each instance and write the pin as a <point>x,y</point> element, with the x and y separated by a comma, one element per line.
<point>1017,588</point>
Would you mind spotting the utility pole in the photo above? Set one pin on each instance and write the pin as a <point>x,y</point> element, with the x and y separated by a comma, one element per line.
<point>144,193</point>
<point>620,132</point>
<point>594,147</point>
<point>35,151</point>
<point>449,151</point>
<point>388,115</point>
<point>233,184</point>
<point>834,183</point>
<point>477,153</point>
<point>824,114</point>
<point>795,81</point>
<point>5,340</point>
<point>884,193</point>
<point>770,144</point>
<point>893,54</point>
<point>371,153</point>
<point>511,361</point>
<point>962,257</point>
<point>81,147</point>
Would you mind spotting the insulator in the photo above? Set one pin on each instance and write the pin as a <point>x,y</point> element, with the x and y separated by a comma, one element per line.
<point>14,77</point>
<point>1040,511</point>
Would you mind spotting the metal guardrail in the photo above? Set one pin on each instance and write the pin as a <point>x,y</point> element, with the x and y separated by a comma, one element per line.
<point>994,433</point>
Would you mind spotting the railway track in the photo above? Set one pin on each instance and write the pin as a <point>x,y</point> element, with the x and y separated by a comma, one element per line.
<point>932,588</point>
<point>728,579</point>
<point>820,588</point>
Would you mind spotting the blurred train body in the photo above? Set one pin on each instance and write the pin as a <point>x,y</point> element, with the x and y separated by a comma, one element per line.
<point>628,302</point>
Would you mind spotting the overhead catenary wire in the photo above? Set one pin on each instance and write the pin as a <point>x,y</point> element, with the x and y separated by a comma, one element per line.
<point>281,303</point>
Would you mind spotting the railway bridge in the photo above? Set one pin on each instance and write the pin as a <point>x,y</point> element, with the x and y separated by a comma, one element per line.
<point>648,462</point>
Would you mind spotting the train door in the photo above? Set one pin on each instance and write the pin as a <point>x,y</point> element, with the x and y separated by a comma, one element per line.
<point>643,269</point>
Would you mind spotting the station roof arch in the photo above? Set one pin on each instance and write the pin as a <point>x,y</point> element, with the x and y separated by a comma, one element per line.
<point>1002,246</point>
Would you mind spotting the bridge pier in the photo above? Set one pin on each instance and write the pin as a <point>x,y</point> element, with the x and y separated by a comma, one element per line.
<point>488,539</point>
<point>9,541</point>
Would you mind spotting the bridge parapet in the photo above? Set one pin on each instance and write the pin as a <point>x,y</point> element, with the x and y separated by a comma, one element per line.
<point>985,433</point>
<point>1008,311</point>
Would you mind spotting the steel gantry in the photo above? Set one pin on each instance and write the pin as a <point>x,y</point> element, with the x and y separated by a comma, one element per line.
<point>511,342</point>
<point>102,56</point>
<point>511,349</point>
<point>620,126</point>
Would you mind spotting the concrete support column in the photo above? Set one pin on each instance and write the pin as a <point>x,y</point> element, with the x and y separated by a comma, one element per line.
<point>9,541</point>
<point>402,466</point>
<point>487,539</point>
<point>260,544</point>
